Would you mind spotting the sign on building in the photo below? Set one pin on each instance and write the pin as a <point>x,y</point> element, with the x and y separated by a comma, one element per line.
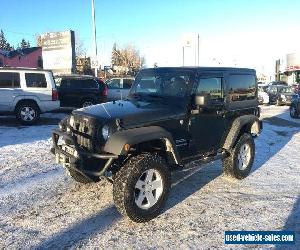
<point>58,51</point>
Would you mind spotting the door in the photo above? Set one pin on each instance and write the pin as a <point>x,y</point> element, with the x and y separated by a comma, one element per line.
<point>208,125</point>
<point>9,90</point>
<point>125,88</point>
<point>114,89</point>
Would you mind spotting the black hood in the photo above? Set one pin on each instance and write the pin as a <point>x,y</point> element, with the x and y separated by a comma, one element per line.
<point>132,113</point>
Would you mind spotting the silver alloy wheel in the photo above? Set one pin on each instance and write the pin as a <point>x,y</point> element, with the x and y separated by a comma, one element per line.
<point>148,189</point>
<point>293,111</point>
<point>87,103</point>
<point>27,114</point>
<point>244,156</point>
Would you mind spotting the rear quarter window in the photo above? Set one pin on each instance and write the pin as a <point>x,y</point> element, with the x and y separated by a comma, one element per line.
<point>242,87</point>
<point>9,80</point>
<point>35,80</point>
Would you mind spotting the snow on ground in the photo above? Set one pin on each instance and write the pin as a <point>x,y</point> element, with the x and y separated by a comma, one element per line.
<point>42,207</point>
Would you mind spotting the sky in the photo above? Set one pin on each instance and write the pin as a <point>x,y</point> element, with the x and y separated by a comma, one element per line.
<point>231,33</point>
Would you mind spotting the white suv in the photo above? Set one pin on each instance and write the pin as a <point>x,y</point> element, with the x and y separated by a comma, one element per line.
<point>27,93</point>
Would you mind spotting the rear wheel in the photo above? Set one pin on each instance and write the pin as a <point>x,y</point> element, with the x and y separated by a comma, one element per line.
<point>293,111</point>
<point>87,103</point>
<point>239,163</point>
<point>141,187</point>
<point>27,113</point>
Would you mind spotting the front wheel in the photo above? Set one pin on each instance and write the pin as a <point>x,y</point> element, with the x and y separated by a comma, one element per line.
<point>141,187</point>
<point>239,163</point>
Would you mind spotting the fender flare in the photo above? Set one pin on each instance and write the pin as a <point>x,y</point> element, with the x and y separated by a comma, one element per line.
<point>116,142</point>
<point>255,127</point>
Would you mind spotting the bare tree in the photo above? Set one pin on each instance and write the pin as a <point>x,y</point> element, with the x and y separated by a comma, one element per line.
<point>80,49</point>
<point>128,58</point>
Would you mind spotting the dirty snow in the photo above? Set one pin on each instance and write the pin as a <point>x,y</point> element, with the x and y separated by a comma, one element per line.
<point>42,207</point>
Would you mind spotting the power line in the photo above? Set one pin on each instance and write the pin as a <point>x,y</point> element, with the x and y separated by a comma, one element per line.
<point>19,33</point>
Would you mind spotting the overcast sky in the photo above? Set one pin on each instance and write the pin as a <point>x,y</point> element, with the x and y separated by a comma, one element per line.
<point>232,33</point>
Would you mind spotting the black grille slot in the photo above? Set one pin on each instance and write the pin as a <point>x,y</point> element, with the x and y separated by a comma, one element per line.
<point>85,130</point>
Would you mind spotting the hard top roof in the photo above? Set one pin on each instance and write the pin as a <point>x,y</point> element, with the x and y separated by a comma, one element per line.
<point>24,69</point>
<point>207,69</point>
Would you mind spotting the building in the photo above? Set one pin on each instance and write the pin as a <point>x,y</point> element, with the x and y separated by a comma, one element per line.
<point>28,57</point>
<point>288,68</point>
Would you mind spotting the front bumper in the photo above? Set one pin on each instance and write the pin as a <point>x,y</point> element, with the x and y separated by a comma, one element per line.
<point>70,154</point>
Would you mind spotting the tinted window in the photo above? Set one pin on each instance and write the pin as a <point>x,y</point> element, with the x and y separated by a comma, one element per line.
<point>211,87</point>
<point>127,83</point>
<point>90,84</point>
<point>35,80</point>
<point>9,80</point>
<point>76,84</point>
<point>64,83</point>
<point>242,87</point>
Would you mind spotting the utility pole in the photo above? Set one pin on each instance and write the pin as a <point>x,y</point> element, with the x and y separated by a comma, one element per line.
<point>183,55</point>
<point>95,36</point>
<point>198,49</point>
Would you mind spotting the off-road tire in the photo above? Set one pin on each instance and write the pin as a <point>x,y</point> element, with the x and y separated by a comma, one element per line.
<point>296,114</point>
<point>30,105</point>
<point>230,163</point>
<point>124,185</point>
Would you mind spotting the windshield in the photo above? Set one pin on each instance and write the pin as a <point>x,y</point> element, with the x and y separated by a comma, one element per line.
<point>286,90</point>
<point>162,83</point>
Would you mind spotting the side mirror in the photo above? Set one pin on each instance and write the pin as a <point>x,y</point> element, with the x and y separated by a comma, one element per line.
<point>202,101</point>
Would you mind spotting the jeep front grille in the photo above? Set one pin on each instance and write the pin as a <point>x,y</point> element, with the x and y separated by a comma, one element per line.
<point>85,130</point>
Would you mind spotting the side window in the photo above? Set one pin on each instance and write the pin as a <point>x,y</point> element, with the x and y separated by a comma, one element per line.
<point>65,83</point>
<point>211,87</point>
<point>9,80</point>
<point>90,84</point>
<point>242,87</point>
<point>114,84</point>
<point>35,80</point>
<point>75,84</point>
<point>127,83</point>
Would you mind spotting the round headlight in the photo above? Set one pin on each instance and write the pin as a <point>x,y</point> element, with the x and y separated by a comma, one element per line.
<point>72,121</point>
<point>105,132</point>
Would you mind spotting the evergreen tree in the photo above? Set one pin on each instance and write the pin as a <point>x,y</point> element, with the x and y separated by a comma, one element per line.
<point>4,45</point>
<point>24,44</point>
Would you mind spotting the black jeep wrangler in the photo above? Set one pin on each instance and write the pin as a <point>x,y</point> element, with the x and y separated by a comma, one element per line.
<point>172,116</point>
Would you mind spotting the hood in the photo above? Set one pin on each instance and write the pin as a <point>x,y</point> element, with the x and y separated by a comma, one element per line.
<point>132,113</point>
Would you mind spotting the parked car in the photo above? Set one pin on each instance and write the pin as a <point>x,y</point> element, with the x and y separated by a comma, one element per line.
<point>118,88</point>
<point>172,117</point>
<point>281,95</point>
<point>278,83</point>
<point>263,96</point>
<point>295,108</point>
<point>80,90</point>
<point>27,93</point>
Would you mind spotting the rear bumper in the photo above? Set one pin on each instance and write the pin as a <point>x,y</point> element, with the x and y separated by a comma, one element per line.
<point>70,155</point>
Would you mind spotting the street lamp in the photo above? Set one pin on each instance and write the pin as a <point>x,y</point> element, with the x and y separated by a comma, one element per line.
<point>95,37</point>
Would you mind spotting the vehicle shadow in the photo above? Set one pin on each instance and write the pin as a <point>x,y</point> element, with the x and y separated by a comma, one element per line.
<point>292,224</point>
<point>82,230</point>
